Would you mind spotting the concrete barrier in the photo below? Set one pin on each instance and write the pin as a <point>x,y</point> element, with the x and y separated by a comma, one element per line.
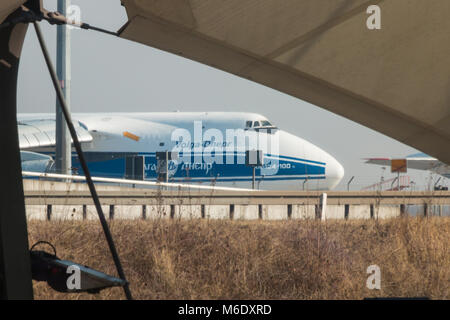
<point>38,212</point>
<point>246,212</point>
<point>49,186</point>
<point>334,212</point>
<point>127,212</point>
<point>61,212</point>
<point>359,212</point>
<point>189,212</point>
<point>236,212</point>
<point>90,212</point>
<point>217,212</point>
<point>387,211</point>
<point>303,211</point>
<point>158,211</point>
<point>274,212</point>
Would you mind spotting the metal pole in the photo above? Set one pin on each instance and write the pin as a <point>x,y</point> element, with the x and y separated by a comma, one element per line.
<point>435,184</point>
<point>63,150</point>
<point>82,160</point>
<point>348,183</point>
<point>392,184</point>
<point>167,166</point>
<point>254,174</point>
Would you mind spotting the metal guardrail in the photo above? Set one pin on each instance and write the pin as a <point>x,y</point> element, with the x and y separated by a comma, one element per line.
<point>64,177</point>
<point>196,195</point>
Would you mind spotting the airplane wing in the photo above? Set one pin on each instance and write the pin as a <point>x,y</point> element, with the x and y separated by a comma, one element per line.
<point>36,162</point>
<point>425,163</point>
<point>34,133</point>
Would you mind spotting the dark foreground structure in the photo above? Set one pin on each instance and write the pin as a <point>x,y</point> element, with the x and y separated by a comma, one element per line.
<point>15,269</point>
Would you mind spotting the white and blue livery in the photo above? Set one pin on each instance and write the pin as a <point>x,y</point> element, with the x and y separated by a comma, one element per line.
<point>211,148</point>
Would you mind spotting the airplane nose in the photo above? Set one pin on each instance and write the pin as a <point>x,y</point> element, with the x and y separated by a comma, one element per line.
<point>334,173</point>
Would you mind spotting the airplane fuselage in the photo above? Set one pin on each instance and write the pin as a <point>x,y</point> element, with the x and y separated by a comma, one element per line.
<point>210,147</point>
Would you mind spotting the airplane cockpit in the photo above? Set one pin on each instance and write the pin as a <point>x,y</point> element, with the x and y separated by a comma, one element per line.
<point>260,125</point>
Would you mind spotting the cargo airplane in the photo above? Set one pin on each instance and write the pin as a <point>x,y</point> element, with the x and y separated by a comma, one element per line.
<point>210,147</point>
<point>418,161</point>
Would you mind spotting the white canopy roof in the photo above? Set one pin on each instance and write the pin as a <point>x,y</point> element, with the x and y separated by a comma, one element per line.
<point>8,6</point>
<point>395,80</point>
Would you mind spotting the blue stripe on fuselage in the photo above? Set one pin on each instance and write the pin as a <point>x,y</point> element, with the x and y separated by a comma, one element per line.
<point>284,168</point>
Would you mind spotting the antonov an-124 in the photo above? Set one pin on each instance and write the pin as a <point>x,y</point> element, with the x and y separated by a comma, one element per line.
<point>210,148</point>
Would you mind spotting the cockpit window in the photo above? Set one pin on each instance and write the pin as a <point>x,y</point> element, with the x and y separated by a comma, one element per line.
<point>260,125</point>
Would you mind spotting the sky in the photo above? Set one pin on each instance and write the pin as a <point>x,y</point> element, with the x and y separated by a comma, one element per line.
<point>110,74</point>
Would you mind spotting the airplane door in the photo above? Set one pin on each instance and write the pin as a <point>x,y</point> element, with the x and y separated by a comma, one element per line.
<point>134,168</point>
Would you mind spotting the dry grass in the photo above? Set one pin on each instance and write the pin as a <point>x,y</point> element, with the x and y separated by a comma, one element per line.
<point>259,260</point>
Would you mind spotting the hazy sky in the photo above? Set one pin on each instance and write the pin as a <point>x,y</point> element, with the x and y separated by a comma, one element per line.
<point>112,74</point>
